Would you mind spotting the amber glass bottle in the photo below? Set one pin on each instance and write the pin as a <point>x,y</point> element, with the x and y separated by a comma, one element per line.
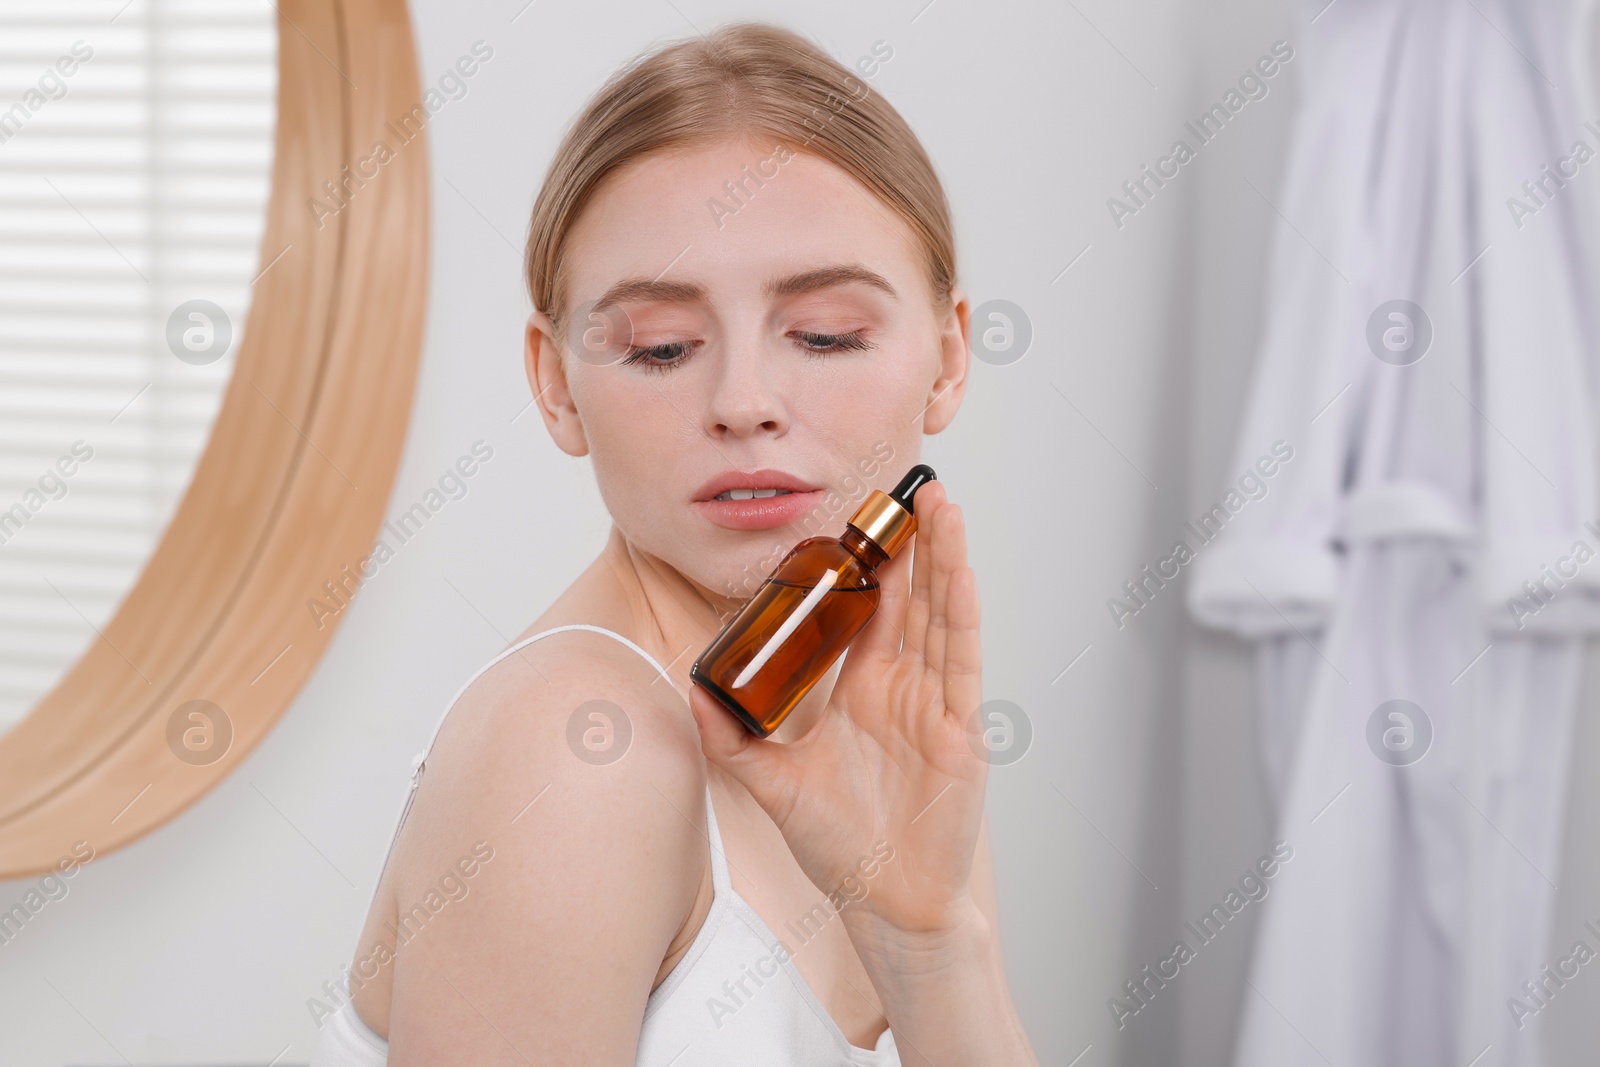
<point>809,609</point>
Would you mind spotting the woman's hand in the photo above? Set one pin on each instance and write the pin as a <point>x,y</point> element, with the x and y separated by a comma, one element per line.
<point>895,758</point>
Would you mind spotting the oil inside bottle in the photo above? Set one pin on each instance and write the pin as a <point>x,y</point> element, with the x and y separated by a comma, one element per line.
<point>773,648</point>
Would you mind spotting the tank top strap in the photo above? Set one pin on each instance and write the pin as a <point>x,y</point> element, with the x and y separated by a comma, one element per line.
<point>720,882</point>
<point>419,762</point>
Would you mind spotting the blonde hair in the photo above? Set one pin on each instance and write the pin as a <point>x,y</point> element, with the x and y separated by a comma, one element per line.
<point>744,80</point>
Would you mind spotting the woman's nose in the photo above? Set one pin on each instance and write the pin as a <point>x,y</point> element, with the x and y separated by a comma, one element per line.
<point>744,398</point>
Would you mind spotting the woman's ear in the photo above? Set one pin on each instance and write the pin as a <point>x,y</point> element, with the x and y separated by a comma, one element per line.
<point>955,357</point>
<point>547,377</point>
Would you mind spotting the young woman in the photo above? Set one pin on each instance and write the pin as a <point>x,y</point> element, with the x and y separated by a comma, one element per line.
<point>743,269</point>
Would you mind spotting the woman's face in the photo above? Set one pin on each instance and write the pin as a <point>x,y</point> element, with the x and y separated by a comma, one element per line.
<point>743,317</point>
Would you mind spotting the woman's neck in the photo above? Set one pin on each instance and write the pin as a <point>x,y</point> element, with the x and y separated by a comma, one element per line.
<point>670,616</point>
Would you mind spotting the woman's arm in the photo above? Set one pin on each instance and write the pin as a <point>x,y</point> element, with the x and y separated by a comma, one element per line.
<point>551,953</point>
<point>944,991</point>
<point>897,758</point>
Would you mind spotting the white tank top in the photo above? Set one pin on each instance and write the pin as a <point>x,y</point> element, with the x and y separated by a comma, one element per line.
<point>734,1000</point>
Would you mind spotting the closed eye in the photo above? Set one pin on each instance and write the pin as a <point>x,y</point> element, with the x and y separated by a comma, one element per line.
<point>658,357</point>
<point>666,356</point>
<point>832,342</point>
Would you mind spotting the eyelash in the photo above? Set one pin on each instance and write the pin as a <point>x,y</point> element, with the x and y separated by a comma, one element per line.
<point>667,356</point>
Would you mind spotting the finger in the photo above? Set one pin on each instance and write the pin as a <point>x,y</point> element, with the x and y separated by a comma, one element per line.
<point>949,556</point>
<point>763,767</point>
<point>879,640</point>
<point>927,501</point>
<point>963,666</point>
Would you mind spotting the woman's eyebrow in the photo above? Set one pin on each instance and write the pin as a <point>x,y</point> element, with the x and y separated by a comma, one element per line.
<point>655,290</point>
<point>823,277</point>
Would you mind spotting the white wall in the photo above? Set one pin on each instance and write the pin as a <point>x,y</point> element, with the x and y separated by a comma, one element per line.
<point>204,941</point>
<point>1140,796</point>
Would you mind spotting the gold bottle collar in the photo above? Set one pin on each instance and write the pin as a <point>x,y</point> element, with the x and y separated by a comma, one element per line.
<point>884,522</point>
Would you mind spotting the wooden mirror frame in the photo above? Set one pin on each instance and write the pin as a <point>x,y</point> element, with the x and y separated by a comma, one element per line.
<point>293,483</point>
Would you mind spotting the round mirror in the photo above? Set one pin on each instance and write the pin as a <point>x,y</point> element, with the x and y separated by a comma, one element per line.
<point>135,166</point>
<point>207,360</point>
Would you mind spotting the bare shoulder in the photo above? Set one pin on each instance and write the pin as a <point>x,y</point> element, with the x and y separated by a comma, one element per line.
<point>569,778</point>
<point>576,711</point>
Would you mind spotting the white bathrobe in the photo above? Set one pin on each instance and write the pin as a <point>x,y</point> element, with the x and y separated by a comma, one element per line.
<point>1388,559</point>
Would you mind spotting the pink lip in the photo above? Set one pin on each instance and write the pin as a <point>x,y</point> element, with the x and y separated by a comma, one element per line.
<point>758,514</point>
<point>762,514</point>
